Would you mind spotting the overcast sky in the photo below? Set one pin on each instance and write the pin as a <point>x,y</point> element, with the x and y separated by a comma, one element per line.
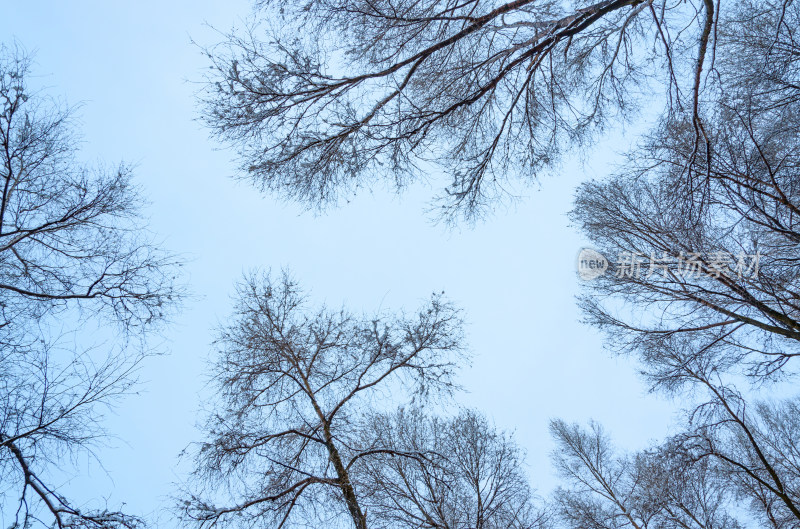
<point>133,67</point>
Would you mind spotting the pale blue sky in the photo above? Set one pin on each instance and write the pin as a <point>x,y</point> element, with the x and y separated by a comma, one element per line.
<point>132,64</point>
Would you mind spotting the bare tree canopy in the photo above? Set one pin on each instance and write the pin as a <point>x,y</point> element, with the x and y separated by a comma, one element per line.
<point>704,292</point>
<point>708,240</point>
<point>458,473</point>
<point>72,252</point>
<point>658,488</point>
<point>732,467</point>
<point>285,442</point>
<point>323,97</point>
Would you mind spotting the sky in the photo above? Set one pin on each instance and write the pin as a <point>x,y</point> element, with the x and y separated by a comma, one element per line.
<point>135,71</point>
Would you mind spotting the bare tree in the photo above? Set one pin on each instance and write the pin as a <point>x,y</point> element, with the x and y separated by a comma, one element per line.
<point>753,449</point>
<point>338,94</point>
<point>681,297</point>
<point>73,257</point>
<point>756,449</point>
<point>658,488</point>
<point>713,260</point>
<point>707,244</point>
<point>286,438</point>
<point>455,473</point>
<point>732,466</point>
<point>706,209</point>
